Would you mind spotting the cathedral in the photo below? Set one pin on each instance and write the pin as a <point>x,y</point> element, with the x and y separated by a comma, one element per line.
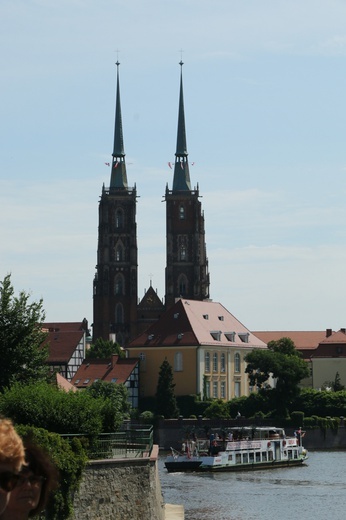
<point>117,313</point>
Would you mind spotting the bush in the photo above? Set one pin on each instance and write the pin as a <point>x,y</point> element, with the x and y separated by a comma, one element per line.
<point>297,419</point>
<point>44,406</point>
<point>69,458</point>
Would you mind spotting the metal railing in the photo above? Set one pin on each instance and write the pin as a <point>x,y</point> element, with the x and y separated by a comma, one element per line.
<point>124,443</point>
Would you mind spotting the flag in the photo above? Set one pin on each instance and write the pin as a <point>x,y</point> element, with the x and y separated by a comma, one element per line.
<point>115,165</point>
<point>170,165</point>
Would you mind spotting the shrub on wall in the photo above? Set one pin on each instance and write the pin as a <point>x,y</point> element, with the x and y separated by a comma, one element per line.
<point>69,458</point>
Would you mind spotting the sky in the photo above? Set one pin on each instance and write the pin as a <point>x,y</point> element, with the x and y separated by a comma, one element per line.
<point>265,111</point>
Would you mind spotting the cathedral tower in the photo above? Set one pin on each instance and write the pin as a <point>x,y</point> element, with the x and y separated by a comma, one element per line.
<point>115,282</point>
<point>186,263</point>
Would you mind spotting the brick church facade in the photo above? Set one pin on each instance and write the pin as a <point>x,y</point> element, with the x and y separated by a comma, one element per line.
<point>116,310</point>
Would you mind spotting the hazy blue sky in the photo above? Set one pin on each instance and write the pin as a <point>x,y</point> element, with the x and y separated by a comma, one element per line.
<point>265,107</point>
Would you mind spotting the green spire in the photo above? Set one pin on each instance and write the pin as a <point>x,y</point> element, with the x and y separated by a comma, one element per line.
<point>118,174</point>
<point>181,179</point>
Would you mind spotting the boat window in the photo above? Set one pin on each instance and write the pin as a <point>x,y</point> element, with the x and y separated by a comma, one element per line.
<point>251,457</point>
<point>238,458</point>
<point>289,454</point>
<point>264,455</point>
<point>270,455</point>
<point>258,456</point>
<point>245,458</point>
<point>230,457</point>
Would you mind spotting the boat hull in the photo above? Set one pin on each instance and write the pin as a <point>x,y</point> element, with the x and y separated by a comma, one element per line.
<point>194,466</point>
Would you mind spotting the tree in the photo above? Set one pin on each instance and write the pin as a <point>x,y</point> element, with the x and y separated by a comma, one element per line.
<point>285,364</point>
<point>116,405</point>
<point>103,349</point>
<point>22,352</point>
<point>166,403</point>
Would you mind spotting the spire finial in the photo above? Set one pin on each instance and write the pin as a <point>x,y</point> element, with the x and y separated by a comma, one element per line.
<point>118,174</point>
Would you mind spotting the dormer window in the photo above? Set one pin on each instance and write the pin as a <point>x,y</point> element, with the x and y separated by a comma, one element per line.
<point>216,334</point>
<point>230,336</point>
<point>206,316</point>
<point>244,337</point>
<point>221,318</point>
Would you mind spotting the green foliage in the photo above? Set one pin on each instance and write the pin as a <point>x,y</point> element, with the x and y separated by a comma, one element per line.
<point>166,403</point>
<point>297,419</point>
<point>44,406</point>
<point>335,385</point>
<point>115,407</point>
<point>218,409</point>
<point>287,367</point>
<point>104,349</point>
<point>23,356</point>
<point>69,458</point>
<point>147,417</point>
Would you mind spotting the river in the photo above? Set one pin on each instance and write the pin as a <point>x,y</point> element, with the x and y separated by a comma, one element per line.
<point>316,491</point>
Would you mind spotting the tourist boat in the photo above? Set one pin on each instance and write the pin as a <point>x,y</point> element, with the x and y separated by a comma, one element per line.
<point>245,448</point>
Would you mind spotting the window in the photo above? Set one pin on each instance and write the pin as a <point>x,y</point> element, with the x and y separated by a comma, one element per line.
<point>244,337</point>
<point>215,389</point>
<point>86,381</point>
<point>207,362</point>
<point>230,336</point>
<point>223,362</point>
<point>119,284</point>
<point>114,380</point>
<point>223,390</point>
<point>119,218</point>
<point>215,361</point>
<point>119,253</point>
<point>182,253</point>
<point>182,213</point>
<point>182,285</point>
<point>207,389</point>
<point>237,362</point>
<point>216,334</point>
<point>119,313</point>
<point>178,362</point>
<point>237,389</point>
<point>142,363</point>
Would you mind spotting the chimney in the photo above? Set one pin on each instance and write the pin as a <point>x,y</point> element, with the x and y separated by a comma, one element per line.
<point>328,332</point>
<point>343,331</point>
<point>114,360</point>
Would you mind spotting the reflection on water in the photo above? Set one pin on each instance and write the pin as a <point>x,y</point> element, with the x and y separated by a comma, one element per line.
<point>315,491</point>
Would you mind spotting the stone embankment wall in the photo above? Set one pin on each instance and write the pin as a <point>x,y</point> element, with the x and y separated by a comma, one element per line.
<point>120,490</point>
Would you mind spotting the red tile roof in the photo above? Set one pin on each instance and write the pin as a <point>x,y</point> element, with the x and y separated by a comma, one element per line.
<point>303,340</point>
<point>194,323</point>
<point>63,339</point>
<point>110,369</point>
<point>64,384</point>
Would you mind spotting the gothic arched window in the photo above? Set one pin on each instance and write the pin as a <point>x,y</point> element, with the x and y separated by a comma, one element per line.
<point>207,362</point>
<point>182,285</point>
<point>119,218</point>
<point>119,284</point>
<point>119,313</point>
<point>181,212</point>
<point>119,253</point>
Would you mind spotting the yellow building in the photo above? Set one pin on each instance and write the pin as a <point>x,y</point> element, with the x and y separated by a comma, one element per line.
<point>205,345</point>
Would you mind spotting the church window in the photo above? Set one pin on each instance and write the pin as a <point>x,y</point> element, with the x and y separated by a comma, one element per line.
<point>119,285</point>
<point>181,212</point>
<point>119,313</point>
<point>178,362</point>
<point>119,253</point>
<point>119,218</point>
<point>182,252</point>
<point>182,285</point>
